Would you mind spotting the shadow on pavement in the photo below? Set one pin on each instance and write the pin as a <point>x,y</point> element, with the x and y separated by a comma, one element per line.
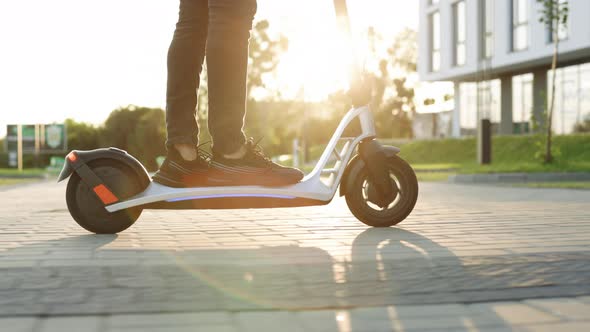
<point>387,268</point>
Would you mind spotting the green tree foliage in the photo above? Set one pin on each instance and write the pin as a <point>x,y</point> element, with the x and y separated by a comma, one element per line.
<point>141,131</point>
<point>393,95</point>
<point>264,55</point>
<point>82,136</point>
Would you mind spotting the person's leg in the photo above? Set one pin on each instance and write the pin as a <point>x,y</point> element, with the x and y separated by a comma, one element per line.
<point>235,161</point>
<point>230,22</point>
<point>185,62</point>
<point>183,167</point>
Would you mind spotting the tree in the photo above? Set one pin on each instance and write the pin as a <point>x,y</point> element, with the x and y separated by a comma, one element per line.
<point>393,94</point>
<point>264,55</point>
<point>149,136</point>
<point>554,14</point>
<point>82,136</point>
<point>139,130</point>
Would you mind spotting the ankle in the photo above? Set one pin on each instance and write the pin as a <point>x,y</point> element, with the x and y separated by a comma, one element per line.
<point>238,154</point>
<point>187,152</point>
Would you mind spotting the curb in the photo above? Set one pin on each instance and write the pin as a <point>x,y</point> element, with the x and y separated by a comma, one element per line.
<point>518,177</point>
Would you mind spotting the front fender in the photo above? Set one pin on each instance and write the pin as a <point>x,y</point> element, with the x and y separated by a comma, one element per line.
<point>75,159</point>
<point>357,163</point>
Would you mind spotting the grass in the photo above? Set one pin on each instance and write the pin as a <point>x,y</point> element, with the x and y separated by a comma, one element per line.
<point>11,182</point>
<point>515,167</point>
<point>435,167</point>
<point>557,185</point>
<point>26,172</point>
<point>433,176</point>
<point>510,154</point>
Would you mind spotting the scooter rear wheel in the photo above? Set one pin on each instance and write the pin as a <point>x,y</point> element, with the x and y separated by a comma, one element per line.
<point>358,196</point>
<point>89,211</point>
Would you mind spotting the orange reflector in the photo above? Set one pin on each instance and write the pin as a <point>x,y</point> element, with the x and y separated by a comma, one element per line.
<point>105,195</point>
<point>72,157</point>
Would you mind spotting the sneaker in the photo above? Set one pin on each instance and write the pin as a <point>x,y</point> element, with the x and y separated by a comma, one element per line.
<point>252,169</point>
<point>179,173</point>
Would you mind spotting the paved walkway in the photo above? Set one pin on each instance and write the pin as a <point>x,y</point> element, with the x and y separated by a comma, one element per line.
<point>470,258</point>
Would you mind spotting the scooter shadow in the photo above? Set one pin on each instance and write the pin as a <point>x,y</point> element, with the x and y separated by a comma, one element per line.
<point>385,267</point>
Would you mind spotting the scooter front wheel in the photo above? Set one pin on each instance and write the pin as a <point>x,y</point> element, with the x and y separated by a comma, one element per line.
<point>360,195</point>
<point>89,211</point>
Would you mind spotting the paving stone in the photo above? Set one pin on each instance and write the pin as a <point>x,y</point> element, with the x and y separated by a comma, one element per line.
<point>563,307</point>
<point>561,327</point>
<point>60,324</point>
<point>175,319</point>
<point>515,313</point>
<point>194,269</point>
<point>19,324</point>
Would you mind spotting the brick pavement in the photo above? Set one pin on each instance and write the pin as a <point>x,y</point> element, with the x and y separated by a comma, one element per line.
<point>469,258</point>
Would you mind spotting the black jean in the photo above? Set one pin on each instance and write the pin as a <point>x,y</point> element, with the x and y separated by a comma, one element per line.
<point>218,30</point>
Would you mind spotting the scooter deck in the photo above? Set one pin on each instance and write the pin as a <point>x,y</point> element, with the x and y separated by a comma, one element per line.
<point>157,196</point>
<point>229,203</point>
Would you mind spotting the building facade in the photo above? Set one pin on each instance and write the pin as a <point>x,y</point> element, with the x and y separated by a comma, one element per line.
<point>498,54</point>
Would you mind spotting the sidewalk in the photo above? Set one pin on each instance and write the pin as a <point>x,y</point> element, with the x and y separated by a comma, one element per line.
<point>470,258</point>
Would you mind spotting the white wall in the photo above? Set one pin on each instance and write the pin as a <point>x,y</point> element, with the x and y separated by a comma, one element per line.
<point>539,52</point>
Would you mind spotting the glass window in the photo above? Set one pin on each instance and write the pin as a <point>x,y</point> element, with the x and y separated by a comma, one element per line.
<point>522,102</point>
<point>520,25</point>
<point>488,28</point>
<point>433,2</point>
<point>572,102</point>
<point>489,100</point>
<point>460,32</point>
<point>435,41</point>
<point>584,109</point>
<point>468,109</point>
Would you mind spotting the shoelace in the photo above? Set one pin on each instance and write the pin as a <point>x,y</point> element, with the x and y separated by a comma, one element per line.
<point>257,151</point>
<point>202,154</point>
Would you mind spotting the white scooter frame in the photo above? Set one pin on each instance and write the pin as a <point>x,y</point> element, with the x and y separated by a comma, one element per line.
<point>311,187</point>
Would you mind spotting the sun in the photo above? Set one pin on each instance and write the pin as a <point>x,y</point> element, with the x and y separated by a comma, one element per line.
<point>315,68</point>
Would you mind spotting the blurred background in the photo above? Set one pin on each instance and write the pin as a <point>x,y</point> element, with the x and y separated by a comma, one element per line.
<point>93,74</point>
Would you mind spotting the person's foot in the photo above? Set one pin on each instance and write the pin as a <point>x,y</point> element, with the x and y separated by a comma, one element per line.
<point>183,168</point>
<point>250,167</point>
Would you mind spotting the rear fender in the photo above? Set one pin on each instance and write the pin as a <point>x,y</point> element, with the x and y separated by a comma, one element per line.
<point>357,163</point>
<point>76,159</point>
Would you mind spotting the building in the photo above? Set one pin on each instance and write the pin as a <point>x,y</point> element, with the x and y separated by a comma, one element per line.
<point>498,54</point>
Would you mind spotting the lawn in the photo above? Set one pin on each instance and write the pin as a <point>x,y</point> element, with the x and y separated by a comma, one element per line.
<point>10,182</point>
<point>32,172</point>
<point>509,154</point>
<point>556,185</point>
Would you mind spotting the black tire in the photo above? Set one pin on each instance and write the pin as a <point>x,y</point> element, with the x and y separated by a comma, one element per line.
<point>89,212</point>
<point>398,210</point>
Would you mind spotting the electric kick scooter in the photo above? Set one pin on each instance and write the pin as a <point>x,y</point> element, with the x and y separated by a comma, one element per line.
<point>108,188</point>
